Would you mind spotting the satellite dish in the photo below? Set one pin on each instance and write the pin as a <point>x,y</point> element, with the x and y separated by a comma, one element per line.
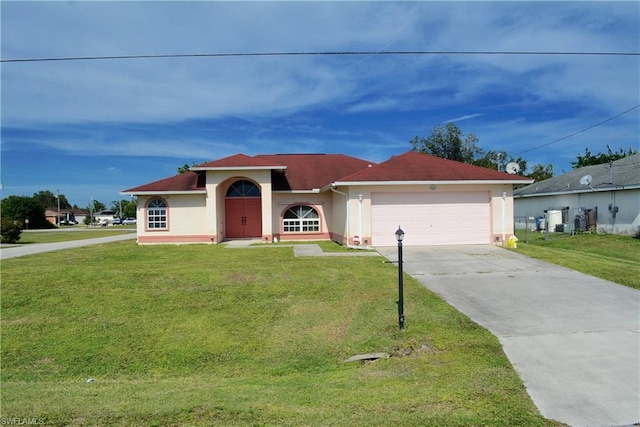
<point>512,168</point>
<point>586,180</point>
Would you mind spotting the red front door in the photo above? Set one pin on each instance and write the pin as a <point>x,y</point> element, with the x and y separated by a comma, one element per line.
<point>243,216</point>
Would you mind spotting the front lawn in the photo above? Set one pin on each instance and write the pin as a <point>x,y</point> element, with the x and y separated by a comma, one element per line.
<point>122,334</point>
<point>54,236</point>
<point>608,256</point>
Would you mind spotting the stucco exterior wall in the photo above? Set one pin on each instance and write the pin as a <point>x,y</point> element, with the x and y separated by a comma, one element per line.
<point>218,183</point>
<point>321,202</point>
<point>501,211</point>
<point>186,220</point>
<point>625,221</point>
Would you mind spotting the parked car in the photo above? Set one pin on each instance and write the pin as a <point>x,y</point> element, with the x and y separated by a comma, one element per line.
<point>116,221</point>
<point>129,221</point>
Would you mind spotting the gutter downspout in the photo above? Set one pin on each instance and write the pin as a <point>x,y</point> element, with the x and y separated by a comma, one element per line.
<point>346,196</point>
<point>360,217</point>
<point>504,198</point>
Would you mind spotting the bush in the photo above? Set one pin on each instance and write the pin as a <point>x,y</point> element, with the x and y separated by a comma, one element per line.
<point>637,235</point>
<point>10,230</point>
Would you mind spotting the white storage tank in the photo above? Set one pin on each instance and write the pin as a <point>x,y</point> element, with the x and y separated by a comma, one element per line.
<point>554,218</point>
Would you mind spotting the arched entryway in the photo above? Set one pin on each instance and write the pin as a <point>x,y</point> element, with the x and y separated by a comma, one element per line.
<point>243,210</point>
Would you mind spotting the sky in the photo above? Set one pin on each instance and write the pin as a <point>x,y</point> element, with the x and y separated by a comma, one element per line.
<point>92,128</point>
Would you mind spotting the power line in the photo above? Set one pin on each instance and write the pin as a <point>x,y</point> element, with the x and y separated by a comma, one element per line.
<point>334,53</point>
<point>580,131</point>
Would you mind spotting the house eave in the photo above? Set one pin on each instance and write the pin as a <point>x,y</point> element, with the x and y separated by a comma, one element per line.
<point>312,191</point>
<point>154,193</point>
<point>238,168</point>
<point>431,182</point>
<point>580,191</point>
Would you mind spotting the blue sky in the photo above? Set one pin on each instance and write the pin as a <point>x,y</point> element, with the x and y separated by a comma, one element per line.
<point>94,128</point>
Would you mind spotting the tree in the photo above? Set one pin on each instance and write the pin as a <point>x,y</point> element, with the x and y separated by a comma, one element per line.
<point>19,208</point>
<point>10,230</point>
<point>50,200</point>
<point>96,206</point>
<point>541,172</point>
<point>589,159</point>
<point>450,143</point>
<point>492,160</point>
<point>185,168</point>
<point>125,207</point>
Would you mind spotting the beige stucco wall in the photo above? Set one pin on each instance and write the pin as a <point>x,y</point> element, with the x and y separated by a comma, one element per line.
<point>201,218</point>
<point>186,219</point>
<point>361,224</point>
<point>218,183</point>
<point>322,202</point>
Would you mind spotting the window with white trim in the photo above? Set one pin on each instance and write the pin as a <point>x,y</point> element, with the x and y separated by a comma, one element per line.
<point>300,219</point>
<point>157,214</point>
<point>243,188</point>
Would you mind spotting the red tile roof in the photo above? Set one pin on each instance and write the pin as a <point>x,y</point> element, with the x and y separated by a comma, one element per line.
<point>412,166</point>
<point>309,171</point>
<point>238,161</point>
<point>304,172</point>
<point>188,181</point>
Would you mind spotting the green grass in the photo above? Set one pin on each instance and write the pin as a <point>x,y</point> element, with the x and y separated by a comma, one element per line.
<point>610,257</point>
<point>63,235</point>
<point>325,245</point>
<point>204,335</point>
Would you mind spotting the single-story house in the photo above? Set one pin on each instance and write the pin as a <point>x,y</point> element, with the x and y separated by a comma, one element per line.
<point>67,216</point>
<point>328,196</point>
<point>605,197</point>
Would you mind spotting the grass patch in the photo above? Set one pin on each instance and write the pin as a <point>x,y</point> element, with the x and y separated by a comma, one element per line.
<point>56,236</point>
<point>202,335</point>
<point>325,245</point>
<point>607,256</point>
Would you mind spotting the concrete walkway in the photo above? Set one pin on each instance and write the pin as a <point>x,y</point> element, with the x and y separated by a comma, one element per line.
<point>36,248</point>
<point>573,339</point>
<point>299,250</point>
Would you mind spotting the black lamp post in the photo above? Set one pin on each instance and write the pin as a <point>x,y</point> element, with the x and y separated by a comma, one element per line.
<point>399,237</point>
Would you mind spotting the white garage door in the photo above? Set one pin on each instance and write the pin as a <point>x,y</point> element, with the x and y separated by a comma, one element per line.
<point>431,218</point>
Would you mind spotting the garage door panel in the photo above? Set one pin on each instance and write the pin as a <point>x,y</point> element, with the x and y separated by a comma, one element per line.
<point>431,218</point>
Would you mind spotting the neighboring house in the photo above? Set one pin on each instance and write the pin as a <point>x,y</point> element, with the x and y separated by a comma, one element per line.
<point>105,217</point>
<point>67,216</point>
<point>605,197</point>
<point>328,196</point>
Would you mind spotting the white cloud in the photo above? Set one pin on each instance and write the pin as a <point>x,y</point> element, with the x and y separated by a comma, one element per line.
<point>462,118</point>
<point>177,89</point>
<point>521,99</point>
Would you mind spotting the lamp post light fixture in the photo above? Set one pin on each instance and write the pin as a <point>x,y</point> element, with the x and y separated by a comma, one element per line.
<point>399,238</point>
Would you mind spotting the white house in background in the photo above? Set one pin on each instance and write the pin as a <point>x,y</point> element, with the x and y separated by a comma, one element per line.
<point>328,196</point>
<point>605,196</point>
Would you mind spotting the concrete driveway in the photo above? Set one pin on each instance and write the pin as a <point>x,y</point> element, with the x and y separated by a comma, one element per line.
<point>573,339</point>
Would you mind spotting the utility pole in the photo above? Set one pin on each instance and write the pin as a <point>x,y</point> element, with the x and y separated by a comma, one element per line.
<point>59,222</point>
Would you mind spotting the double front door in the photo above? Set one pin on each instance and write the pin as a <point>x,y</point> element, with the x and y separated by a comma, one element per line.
<point>243,217</point>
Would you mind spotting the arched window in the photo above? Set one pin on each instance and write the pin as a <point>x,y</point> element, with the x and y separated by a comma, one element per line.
<point>243,188</point>
<point>300,219</point>
<point>157,214</point>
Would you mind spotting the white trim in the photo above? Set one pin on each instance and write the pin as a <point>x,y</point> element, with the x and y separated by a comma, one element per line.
<point>312,191</point>
<point>468,181</point>
<point>154,193</point>
<point>581,191</point>
<point>238,168</point>
<point>320,203</point>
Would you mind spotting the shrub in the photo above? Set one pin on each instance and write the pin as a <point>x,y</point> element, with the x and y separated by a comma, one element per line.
<point>10,230</point>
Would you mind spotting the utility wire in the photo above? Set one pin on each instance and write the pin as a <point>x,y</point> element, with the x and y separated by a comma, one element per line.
<point>580,131</point>
<point>335,53</point>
